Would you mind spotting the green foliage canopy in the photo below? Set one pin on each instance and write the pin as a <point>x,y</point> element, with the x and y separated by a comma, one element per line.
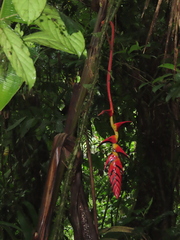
<point>54,33</point>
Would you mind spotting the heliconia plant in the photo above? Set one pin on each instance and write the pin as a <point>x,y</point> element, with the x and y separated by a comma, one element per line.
<point>113,162</point>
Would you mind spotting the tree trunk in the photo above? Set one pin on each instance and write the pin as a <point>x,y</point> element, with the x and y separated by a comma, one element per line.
<point>80,216</point>
<point>156,160</point>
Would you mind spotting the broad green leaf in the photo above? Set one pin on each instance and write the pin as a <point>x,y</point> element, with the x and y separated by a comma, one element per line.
<point>9,85</point>
<point>55,34</point>
<point>18,54</point>
<point>169,66</point>
<point>29,10</point>
<point>8,12</point>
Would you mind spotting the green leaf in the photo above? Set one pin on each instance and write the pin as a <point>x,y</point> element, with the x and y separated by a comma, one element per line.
<point>25,224</point>
<point>10,233</point>
<point>169,66</point>
<point>15,124</point>
<point>9,85</point>
<point>2,223</point>
<point>30,123</point>
<point>174,93</point>
<point>117,229</point>
<point>71,26</point>
<point>29,10</point>
<point>8,12</point>
<point>177,77</point>
<point>18,54</point>
<point>55,34</point>
<point>134,47</point>
<point>157,87</point>
<point>143,84</point>
<point>32,212</point>
<point>161,78</point>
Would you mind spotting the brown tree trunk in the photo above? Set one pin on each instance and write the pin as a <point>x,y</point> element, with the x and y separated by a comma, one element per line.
<point>80,216</point>
<point>156,160</point>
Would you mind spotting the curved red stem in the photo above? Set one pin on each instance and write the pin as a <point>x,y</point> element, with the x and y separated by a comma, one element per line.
<point>111,43</point>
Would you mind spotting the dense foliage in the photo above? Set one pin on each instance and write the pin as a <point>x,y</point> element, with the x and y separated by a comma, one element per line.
<point>145,90</point>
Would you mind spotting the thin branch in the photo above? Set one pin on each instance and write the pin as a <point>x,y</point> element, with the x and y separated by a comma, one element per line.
<point>153,23</point>
<point>103,220</point>
<point>145,7</point>
<point>169,29</point>
<point>92,183</point>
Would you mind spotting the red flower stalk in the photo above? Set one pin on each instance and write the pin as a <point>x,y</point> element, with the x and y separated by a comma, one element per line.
<point>113,161</point>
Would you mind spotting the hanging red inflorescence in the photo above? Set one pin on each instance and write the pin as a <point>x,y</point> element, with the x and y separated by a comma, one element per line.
<point>115,170</point>
<point>113,162</point>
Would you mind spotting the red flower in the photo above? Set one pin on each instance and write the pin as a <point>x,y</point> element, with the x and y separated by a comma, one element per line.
<point>109,111</point>
<point>115,172</point>
<point>119,124</point>
<point>118,149</point>
<point>111,139</point>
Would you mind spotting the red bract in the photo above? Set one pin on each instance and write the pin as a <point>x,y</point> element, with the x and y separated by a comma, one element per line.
<point>109,111</point>
<point>113,156</point>
<point>119,124</point>
<point>118,149</point>
<point>115,173</point>
<point>111,139</point>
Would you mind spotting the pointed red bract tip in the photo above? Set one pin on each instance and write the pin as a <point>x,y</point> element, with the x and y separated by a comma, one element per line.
<point>118,149</point>
<point>111,139</point>
<point>109,111</point>
<point>118,125</point>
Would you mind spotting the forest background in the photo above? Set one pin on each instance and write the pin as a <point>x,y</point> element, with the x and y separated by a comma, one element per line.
<point>57,54</point>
